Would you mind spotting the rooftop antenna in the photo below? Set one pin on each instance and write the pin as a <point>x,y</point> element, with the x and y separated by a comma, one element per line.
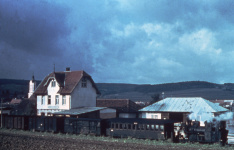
<point>33,76</point>
<point>163,95</point>
<point>1,112</point>
<point>54,67</point>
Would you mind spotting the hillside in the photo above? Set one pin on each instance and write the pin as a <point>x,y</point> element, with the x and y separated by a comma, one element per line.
<point>12,88</point>
<point>137,92</point>
<point>210,91</point>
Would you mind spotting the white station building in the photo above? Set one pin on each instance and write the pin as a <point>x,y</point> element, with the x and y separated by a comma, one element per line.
<point>66,91</point>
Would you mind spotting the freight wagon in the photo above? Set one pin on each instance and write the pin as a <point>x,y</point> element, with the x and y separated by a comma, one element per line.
<point>15,122</point>
<point>46,123</point>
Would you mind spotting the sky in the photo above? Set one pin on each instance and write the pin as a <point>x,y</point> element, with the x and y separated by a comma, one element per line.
<point>119,41</point>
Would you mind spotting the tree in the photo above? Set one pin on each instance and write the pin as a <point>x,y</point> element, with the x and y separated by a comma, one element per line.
<point>155,98</point>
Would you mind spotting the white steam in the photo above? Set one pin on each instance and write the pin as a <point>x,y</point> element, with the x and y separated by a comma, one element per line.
<point>225,116</point>
<point>202,116</point>
<point>209,117</point>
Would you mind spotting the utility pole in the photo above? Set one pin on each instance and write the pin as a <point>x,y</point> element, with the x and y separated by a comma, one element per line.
<point>1,112</point>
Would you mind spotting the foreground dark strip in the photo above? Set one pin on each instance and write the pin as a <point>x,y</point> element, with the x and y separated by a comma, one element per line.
<point>33,140</point>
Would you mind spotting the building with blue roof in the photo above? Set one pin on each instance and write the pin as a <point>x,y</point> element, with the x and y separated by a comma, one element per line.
<point>180,108</point>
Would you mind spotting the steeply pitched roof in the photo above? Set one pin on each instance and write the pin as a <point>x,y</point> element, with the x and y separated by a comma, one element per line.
<point>66,80</point>
<point>185,104</point>
<point>122,105</point>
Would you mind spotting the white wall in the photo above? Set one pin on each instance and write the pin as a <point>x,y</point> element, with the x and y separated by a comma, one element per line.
<point>150,115</point>
<point>80,97</point>
<point>32,86</point>
<point>46,111</point>
<point>52,91</point>
<point>83,96</point>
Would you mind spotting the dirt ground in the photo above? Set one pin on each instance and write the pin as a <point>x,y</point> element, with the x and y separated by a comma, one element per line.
<point>20,140</point>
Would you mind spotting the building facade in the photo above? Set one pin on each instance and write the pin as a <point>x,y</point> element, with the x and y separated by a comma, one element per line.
<point>67,90</point>
<point>32,87</point>
<point>182,108</point>
<point>125,108</point>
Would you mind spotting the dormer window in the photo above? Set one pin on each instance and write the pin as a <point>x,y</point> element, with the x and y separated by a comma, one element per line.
<point>84,83</point>
<point>53,84</point>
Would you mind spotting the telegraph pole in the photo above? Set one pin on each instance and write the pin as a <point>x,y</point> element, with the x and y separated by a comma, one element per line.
<point>1,112</point>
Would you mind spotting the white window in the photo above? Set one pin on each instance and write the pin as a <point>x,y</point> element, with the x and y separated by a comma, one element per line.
<point>162,127</point>
<point>64,100</point>
<point>56,99</point>
<point>53,84</point>
<point>154,116</point>
<point>152,127</point>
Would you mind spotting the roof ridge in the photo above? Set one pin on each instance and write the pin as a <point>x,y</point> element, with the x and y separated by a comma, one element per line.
<point>185,104</point>
<point>41,83</point>
<point>211,103</point>
<point>184,97</point>
<point>67,81</point>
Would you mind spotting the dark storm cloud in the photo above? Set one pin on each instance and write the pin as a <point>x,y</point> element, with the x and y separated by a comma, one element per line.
<point>32,37</point>
<point>129,41</point>
<point>32,26</point>
<point>168,41</point>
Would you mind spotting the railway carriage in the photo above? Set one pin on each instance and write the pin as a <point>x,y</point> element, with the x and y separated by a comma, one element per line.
<point>140,128</point>
<point>155,129</point>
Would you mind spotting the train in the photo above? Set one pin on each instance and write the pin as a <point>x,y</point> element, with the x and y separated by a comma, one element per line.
<point>211,132</point>
<point>154,129</point>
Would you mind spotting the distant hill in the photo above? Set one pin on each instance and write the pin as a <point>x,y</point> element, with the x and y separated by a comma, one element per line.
<point>207,90</point>
<point>137,92</point>
<point>13,88</point>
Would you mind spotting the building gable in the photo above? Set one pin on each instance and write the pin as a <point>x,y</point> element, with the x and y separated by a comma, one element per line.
<point>67,82</point>
<point>64,91</point>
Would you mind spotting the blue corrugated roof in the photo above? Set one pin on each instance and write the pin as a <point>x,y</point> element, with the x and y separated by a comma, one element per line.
<point>184,104</point>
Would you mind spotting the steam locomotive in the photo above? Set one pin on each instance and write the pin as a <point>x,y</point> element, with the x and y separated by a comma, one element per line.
<point>212,132</point>
<point>155,129</point>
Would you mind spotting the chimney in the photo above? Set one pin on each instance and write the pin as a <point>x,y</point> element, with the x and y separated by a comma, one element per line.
<point>68,69</point>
